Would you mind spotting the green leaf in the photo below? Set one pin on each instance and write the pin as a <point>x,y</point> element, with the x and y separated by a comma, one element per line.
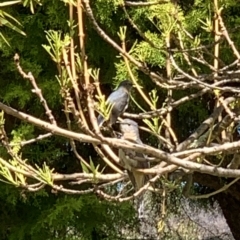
<point>8,3</point>
<point>84,167</point>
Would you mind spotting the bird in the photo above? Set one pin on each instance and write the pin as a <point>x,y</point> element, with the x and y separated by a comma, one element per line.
<point>119,100</point>
<point>130,159</point>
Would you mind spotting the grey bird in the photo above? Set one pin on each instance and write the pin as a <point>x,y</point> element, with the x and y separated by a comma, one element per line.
<point>130,159</point>
<point>119,100</point>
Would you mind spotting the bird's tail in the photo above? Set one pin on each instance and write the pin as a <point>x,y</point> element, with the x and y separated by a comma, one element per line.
<point>140,180</point>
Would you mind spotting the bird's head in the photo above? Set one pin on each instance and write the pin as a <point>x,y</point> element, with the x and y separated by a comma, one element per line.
<point>126,84</point>
<point>128,126</point>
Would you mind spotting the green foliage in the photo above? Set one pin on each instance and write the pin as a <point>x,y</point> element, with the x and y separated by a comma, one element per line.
<point>45,174</point>
<point>22,133</point>
<point>105,10</point>
<point>145,53</point>
<point>9,21</point>
<point>121,71</point>
<point>56,44</point>
<point>15,178</point>
<point>65,217</point>
<point>104,107</point>
<point>31,4</point>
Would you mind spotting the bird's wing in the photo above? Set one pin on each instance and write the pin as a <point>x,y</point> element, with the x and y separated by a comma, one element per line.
<point>119,99</point>
<point>141,164</point>
<point>140,178</point>
<point>131,164</point>
<point>126,159</point>
<point>116,95</point>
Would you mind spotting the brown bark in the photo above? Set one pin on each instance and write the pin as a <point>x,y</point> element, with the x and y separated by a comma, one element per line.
<point>231,211</point>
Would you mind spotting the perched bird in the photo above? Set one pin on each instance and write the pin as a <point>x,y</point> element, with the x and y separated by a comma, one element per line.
<point>119,100</point>
<point>130,159</point>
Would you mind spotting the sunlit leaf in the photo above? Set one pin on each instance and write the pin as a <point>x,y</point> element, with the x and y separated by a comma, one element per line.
<point>8,3</point>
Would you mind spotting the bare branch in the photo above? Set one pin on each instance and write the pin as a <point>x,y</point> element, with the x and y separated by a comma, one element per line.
<point>36,90</point>
<point>224,188</point>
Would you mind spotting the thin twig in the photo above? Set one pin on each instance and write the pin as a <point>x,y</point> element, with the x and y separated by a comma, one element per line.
<point>36,90</point>
<point>30,141</point>
<point>224,188</point>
